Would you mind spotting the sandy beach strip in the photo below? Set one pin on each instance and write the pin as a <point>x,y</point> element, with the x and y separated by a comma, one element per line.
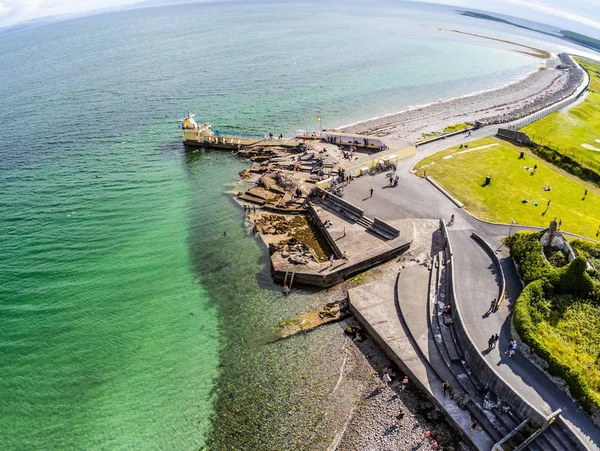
<point>538,90</point>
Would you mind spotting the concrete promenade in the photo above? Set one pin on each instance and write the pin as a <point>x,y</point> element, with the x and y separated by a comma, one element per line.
<point>476,281</point>
<point>392,310</point>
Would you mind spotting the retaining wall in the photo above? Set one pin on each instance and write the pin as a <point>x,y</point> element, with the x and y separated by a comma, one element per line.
<point>478,364</point>
<point>387,228</point>
<point>520,123</point>
<point>317,221</point>
<point>353,209</point>
<point>496,261</point>
<point>335,277</point>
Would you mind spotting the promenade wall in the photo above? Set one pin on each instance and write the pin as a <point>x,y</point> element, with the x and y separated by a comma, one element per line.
<point>522,122</point>
<point>473,357</point>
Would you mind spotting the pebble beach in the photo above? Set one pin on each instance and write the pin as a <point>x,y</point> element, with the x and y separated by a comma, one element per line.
<point>549,84</point>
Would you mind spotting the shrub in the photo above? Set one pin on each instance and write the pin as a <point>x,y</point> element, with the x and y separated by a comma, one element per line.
<point>550,294</point>
<point>556,257</point>
<point>566,163</point>
<point>526,250</point>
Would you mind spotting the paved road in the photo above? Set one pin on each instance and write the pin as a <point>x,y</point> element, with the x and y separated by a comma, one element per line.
<point>476,279</point>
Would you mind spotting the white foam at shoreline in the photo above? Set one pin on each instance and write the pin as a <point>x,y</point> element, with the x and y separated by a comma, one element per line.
<point>418,107</point>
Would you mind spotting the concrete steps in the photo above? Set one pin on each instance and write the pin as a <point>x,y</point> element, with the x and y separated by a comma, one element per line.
<point>495,422</point>
<point>365,222</point>
<point>418,322</point>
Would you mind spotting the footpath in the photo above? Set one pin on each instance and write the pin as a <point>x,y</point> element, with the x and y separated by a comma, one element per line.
<point>476,282</point>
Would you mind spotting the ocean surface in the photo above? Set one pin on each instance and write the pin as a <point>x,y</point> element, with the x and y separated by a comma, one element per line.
<point>127,319</point>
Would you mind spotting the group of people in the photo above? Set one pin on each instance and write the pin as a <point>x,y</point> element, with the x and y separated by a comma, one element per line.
<point>394,181</point>
<point>348,154</point>
<point>270,137</point>
<point>492,341</point>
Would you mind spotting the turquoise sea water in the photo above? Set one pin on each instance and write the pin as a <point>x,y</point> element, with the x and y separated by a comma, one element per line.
<point>127,319</point>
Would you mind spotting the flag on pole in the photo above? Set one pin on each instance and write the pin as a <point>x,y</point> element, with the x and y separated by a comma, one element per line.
<point>318,118</point>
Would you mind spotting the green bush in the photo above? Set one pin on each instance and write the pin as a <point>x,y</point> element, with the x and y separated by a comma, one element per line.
<point>566,163</point>
<point>531,309</point>
<point>556,257</point>
<point>526,250</point>
<point>550,294</point>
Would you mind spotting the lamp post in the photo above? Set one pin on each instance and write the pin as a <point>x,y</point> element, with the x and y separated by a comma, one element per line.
<point>512,223</point>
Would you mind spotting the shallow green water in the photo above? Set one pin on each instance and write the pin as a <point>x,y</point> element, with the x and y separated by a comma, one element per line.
<point>127,319</point>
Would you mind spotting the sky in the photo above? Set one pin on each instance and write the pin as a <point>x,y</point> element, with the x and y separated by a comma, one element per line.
<point>576,15</point>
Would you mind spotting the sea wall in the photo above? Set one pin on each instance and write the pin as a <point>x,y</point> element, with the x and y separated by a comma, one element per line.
<point>473,357</point>
<point>578,82</point>
<point>335,277</point>
<point>314,216</point>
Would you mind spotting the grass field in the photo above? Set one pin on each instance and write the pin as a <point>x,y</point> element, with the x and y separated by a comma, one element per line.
<point>593,68</point>
<point>571,333</point>
<point>567,132</point>
<point>463,174</point>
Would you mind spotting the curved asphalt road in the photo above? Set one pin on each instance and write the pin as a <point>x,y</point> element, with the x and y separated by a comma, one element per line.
<point>476,282</point>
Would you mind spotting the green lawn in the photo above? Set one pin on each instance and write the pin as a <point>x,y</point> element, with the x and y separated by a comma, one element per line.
<point>464,174</point>
<point>593,69</point>
<point>567,132</point>
<point>570,332</point>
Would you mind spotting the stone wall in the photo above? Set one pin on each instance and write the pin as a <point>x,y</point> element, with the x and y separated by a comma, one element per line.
<point>312,213</point>
<point>553,238</point>
<point>512,135</point>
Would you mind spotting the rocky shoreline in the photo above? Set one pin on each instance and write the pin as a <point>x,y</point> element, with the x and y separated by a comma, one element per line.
<point>556,80</point>
<point>364,412</point>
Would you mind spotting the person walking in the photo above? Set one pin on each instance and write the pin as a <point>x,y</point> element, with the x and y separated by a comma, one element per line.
<point>400,417</point>
<point>404,383</point>
<point>493,305</point>
<point>344,232</point>
<point>559,224</point>
<point>386,379</point>
<point>445,387</point>
<point>548,204</point>
<point>496,338</point>
<point>331,260</point>
<point>426,435</point>
<point>491,342</point>
<point>451,220</point>
<point>371,192</point>
<point>584,194</point>
<point>473,425</point>
<point>512,347</point>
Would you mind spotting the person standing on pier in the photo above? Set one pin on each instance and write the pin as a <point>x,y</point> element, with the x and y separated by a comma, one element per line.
<point>445,388</point>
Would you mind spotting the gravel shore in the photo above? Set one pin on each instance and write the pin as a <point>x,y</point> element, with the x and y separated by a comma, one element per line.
<point>373,425</point>
<point>555,81</point>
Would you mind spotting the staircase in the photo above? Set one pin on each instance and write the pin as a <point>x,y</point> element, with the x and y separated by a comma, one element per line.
<point>494,415</point>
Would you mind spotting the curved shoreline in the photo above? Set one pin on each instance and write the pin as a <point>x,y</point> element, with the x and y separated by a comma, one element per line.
<point>558,79</point>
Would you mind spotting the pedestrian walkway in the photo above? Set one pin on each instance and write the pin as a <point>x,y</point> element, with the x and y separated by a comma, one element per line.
<point>375,306</point>
<point>478,286</point>
<point>416,198</point>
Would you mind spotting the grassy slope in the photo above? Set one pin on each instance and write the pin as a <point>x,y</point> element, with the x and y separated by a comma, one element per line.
<point>579,125</point>
<point>593,69</point>
<point>464,174</point>
<point>572,336</point>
